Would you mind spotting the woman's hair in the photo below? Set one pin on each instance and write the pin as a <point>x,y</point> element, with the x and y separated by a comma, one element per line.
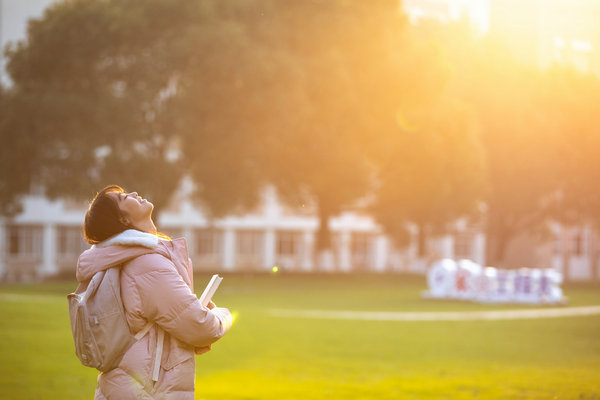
<point>103,218</point>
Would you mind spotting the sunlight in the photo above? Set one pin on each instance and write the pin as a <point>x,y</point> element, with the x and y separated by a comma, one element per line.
<point>553,31</point>
<point>404,123</point>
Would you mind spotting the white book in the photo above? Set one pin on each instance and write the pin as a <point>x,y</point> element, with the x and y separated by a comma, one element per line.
<point>210,289</point>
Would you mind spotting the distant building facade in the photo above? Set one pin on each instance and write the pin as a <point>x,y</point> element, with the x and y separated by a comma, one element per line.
<point>46,240</point>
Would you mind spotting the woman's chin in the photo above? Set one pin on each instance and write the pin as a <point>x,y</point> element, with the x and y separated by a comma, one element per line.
<point>150,207</point>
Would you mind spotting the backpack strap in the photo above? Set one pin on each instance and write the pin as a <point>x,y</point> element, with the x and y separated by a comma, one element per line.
<point>160,339</point>
<point>143,331</point>
<point>159,350</point>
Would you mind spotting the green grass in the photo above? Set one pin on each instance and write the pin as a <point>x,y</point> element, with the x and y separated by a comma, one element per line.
<point>264,357</point>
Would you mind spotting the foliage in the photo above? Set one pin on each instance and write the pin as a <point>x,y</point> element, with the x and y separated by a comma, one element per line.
<point>525,117</point>
<point>522,151</point>
<point>571,98</point>
<point>432,172</point>
<point>348,53</point>
<point>303,105</point>
<point>90,95</point>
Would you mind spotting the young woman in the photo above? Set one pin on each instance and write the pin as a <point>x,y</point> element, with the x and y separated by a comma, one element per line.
<point>157,291</point>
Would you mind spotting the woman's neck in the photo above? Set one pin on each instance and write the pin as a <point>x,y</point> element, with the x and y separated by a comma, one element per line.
<point>146,226</point>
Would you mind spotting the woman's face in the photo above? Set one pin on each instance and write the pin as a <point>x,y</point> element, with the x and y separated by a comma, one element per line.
<point>134,208</point>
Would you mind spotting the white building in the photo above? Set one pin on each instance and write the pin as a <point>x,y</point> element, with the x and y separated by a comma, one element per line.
<point>46,239</point>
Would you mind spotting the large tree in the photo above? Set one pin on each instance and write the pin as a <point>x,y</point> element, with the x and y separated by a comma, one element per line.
<point>572,99</point>
<point>432,170</point>
<point>315,91</point>
<point>89,104</point>
<point>432,174</point>
<point>522,147</point>
<point>237,93</point>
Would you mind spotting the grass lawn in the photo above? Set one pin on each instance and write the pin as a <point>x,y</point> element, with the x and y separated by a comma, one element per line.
<point>266,357</point>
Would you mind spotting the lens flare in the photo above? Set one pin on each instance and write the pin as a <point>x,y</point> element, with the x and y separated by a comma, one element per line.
<point>234,316</point>
<point>404,123</point>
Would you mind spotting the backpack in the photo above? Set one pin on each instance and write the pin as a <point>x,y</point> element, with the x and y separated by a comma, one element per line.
<point>100,329</point>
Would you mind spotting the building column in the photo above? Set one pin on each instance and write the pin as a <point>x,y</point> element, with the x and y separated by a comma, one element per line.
<point>308,250</point>
<point>2,249</point>
<point>49,266</point>
<point>345,256</point>
<point>188,234</point>
<point>479,249</point>
<point>229,249</point>
<point>446,246</point>
<point>269,248</point>
<point>380,249</point>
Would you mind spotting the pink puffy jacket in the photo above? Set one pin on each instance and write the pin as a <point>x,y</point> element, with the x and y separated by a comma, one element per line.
<point>157,286</point>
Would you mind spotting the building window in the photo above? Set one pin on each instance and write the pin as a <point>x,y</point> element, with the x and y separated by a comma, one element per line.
<point>24,242</point>
<point>70,241</point>
<point>578,243</point>
<point>250,243</point>
<point>288,243</point>
<point>361,247</point>
<point>208,242</point>
<point>557,245</point>
<point>463,246</point>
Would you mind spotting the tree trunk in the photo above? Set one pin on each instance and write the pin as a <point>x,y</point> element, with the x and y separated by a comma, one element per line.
<point>422,242</point>
<point>323,234</point>
<point>496,245</point>
<point>566,242</point>
<point>594,265</point>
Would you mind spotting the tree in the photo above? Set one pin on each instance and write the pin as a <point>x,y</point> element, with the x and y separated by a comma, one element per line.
<point>521,143</point>
<point>328,79</point>
<point>434,174</point>
<point>90,98</point>
<point>518,134</point>
<point>432,170</point>
<point>237,93</point>
<point>571,98</point>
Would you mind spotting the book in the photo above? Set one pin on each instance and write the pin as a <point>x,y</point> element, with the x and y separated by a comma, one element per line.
<point>210,289</point>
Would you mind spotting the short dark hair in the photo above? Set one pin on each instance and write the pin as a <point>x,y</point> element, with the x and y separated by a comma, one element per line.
<point>104,218</point>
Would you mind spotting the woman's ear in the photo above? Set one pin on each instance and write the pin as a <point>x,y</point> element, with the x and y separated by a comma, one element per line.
<point>124,220</point>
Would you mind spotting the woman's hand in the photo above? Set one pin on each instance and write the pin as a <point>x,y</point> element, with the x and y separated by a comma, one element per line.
<point>204,349</point>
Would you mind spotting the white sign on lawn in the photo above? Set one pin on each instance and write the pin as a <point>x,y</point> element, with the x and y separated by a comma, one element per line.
<point>467,280</point>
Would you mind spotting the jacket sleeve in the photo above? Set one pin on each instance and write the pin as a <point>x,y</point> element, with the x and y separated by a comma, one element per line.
<point>167,300</point>
<point>109,256</point>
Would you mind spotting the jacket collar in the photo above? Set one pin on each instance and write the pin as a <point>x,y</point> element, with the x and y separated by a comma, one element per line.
<point>131,237</point>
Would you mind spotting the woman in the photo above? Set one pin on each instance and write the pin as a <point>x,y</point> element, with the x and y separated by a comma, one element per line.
<point>157,292</point>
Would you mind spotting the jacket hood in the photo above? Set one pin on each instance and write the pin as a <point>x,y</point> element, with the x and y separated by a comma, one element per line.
<point>115,250</point>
